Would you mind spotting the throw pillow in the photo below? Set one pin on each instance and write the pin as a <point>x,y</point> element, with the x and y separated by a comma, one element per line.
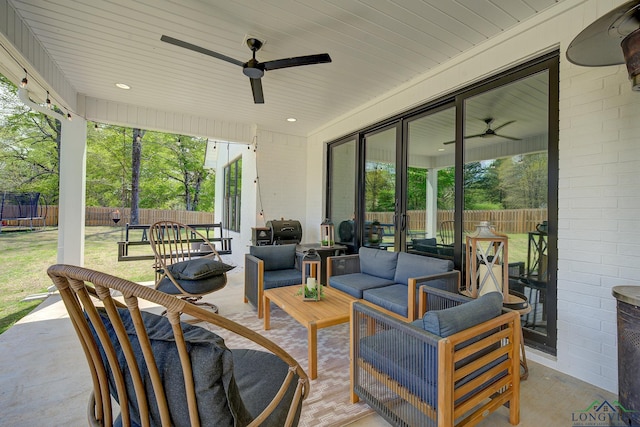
<point>455,319</point>
<point>198,268</point>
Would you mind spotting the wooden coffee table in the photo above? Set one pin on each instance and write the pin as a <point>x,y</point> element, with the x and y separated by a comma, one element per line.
<point>333,309</point>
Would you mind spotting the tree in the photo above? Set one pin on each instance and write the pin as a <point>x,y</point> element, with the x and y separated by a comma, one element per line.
<point>380,187</point>
<point>136,153</point>
<point>29,147</point>
<point>524,181</point>
<point>168,174</point>
<point>417,188</point>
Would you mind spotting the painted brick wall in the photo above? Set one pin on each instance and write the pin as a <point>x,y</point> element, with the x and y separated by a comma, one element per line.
<point>599,215</point>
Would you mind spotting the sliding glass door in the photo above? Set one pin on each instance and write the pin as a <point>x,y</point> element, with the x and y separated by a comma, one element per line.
<point>422,180</point>
<point>380,182</point>
<point>342,191</point>
<point>506,182</point>
<point>429,187</point>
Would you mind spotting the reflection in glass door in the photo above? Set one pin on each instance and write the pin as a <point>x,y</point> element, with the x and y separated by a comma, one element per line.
<point>506,140</point>
<point>380,202</point>
<point>430,187</point>
<point>342,192</point>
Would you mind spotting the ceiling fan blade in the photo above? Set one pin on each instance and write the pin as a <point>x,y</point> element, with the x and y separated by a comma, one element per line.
<point>296,61</point>
<point>510,137</point>
<point>466,137</point>
<point>180,43</point>
<point>503,125</point>
<point>256,88</point>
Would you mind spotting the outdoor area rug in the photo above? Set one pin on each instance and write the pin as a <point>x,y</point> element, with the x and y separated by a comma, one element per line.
<point>328,402</point>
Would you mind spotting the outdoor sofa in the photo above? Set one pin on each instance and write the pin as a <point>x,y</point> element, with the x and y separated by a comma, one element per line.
<point>389,279</point>
<point>454,366</point>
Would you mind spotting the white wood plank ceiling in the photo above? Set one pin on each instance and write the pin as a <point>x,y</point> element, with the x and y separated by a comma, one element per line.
<point>376,45</point>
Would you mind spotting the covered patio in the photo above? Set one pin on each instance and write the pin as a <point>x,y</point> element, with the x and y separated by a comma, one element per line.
<point>387,59</point>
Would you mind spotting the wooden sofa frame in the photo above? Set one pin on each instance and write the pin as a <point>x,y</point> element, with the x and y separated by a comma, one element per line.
<point>459,405</point>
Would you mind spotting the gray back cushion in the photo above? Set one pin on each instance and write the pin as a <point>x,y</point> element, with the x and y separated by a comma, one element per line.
<point>455,319</point>
<point>378,263</point>
<point>410,266</point>
<point>198,268</point>
<point>275,257</point>
<point>219,401</point>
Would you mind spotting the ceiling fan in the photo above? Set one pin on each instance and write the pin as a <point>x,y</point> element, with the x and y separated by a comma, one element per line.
<point>488,133</point>
<point>253,68</point>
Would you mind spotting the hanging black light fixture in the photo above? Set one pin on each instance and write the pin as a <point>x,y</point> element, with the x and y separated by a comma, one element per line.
<point>612,39</point>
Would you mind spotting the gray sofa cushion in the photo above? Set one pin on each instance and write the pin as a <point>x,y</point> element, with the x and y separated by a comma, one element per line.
<point>219,399</point>
<point>275,257</point>
<point>195,287</point>
<point>355,283</point>
<point>455,319</point>
<point>379,263</point>
<point>198,268</point>
<point>392,298</point>
<point>411,266</point>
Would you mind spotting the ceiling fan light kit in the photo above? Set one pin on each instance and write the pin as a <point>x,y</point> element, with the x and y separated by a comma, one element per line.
<point>612,39</point>
<point>253,68</point>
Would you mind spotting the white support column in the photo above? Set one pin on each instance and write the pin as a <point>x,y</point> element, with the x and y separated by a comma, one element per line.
<point>72,193</point>
<point>72,183</point>
<point>432,203</point>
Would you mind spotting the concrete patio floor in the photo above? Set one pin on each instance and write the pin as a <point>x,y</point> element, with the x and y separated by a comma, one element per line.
<point>44,379</point>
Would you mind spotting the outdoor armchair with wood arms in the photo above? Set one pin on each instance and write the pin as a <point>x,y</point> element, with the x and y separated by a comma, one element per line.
<point>165,372</point>
<point>453,367</point>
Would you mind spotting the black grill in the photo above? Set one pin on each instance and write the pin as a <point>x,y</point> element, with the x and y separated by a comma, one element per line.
<point>285,231</point>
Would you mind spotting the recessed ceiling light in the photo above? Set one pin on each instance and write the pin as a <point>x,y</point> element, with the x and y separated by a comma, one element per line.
<point>292,119</point>
<point>123,86</point>
<point>440,149</point>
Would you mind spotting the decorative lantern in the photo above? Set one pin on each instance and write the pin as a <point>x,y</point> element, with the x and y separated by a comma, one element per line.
<point>486,261</point>
<point>375,233</point>
<point>311,287</point>
<point>327,234</point>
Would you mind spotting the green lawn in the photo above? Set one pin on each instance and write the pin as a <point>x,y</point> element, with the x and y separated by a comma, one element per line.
<point>28,254</point>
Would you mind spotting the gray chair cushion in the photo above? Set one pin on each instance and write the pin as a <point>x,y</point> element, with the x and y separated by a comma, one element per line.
<point>411,266</point>
<point>258,385</point>
<point>195,287</point>
<point>219,399</point>
<point>355,283</point>
<point>379,263</point>
<point>455,319</point>
<point>275,257</point>
<point>198,268</point>
<point>279,278</point>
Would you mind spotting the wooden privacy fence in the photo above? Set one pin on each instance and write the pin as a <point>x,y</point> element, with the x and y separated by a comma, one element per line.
<point>513,221</point>
<point>104,216</point>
